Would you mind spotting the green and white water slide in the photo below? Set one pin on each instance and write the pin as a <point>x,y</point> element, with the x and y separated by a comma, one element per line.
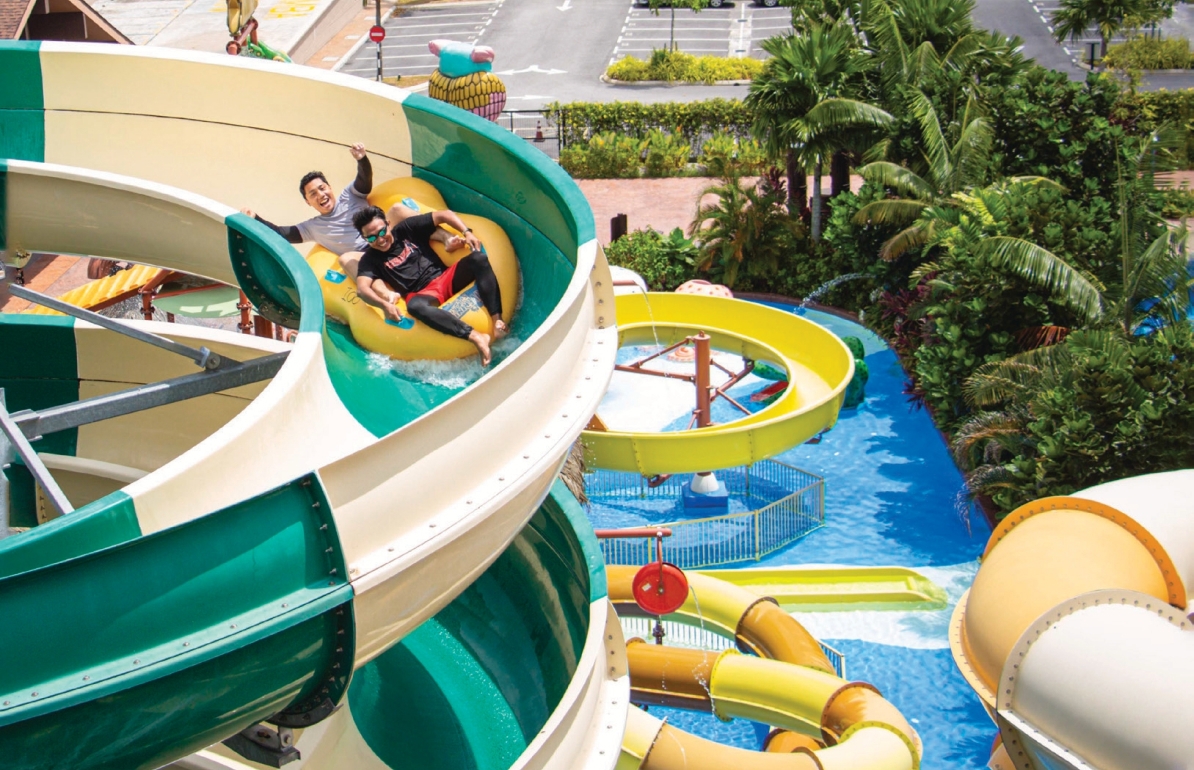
<point>308,538</point>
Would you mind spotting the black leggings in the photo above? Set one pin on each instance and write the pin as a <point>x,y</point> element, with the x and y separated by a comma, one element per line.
<point>473,268</point>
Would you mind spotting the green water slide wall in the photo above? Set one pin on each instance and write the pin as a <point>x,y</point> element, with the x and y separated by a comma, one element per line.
<point>139,653</point>
<point>469,689</point>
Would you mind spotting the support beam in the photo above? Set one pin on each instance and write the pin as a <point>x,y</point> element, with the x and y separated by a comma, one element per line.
<point>203,357</point>
<point>34,425</point>
<point>41,474</point>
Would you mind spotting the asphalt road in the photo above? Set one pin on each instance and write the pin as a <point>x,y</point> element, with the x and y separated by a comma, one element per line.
<point>1031,21</point>
<point>557,50</point>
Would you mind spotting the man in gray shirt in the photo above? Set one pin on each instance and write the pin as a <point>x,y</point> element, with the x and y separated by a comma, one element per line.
<point>332,228</point>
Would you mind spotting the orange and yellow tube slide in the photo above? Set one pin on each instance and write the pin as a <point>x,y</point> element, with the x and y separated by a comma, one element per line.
<point>786,681</point>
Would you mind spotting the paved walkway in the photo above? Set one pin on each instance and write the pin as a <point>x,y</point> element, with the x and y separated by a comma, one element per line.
<point>47,274</point>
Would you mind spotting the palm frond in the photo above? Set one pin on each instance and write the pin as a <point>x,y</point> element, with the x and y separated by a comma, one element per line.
<point>902,180</point>
<point>908,238</point>
<point>1034,337</point>
<point>837,114</point>
<point>889,212</point>
<point>1014,378</point>
<point>1067,285</point>
<point>936,151</point>
<point>1006,429</point>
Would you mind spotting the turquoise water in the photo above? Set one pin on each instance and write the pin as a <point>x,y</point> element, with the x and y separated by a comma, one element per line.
<point>893,497</point>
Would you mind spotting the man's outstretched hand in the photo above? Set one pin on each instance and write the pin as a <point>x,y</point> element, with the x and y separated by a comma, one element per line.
<point>357,150</point>
<point>248,213</point>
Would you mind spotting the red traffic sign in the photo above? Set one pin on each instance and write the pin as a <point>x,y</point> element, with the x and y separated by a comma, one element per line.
<point>660,588</point>
<point>377,33</point>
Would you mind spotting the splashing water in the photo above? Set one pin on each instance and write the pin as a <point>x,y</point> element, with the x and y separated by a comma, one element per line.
<point>455,374</point>
<point>829,285</point>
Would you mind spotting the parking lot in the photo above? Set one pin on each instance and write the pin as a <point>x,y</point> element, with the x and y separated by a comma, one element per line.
<point>732,30</point>
<point>1076,49</point>
<point>404,51</point>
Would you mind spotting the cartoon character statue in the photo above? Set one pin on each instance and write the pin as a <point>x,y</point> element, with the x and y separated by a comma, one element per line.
<point>465,79</point>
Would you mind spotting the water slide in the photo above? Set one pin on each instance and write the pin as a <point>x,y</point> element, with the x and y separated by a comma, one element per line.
<point>822,721</point>
<point>316,537</point>
<point>1076,634</point>
<point>835,589</point>
<point>818,364</point>
<point>105,291</point>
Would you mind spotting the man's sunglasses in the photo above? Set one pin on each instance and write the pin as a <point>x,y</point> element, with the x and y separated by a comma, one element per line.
<point>379,234</point>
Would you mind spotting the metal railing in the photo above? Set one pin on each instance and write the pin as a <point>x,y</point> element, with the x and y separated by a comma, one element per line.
<point>534,126</point>
<point>696,638</point>
<point>790,504</point>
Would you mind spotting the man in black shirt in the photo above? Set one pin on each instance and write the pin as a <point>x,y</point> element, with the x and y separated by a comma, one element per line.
<point>399,258</point>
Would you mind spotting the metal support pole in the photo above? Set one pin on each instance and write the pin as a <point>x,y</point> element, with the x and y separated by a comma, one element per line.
<point>379,70</point>
<point>40,472</point>
<point>203,357</point>
<point>59,418</point>
<point>701,341</point>
<point>246,323</point>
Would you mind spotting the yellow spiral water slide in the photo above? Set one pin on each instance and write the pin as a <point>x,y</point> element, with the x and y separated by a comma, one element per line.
<point>824,721</point>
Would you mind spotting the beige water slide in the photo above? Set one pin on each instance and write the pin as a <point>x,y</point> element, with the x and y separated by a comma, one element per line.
<point>1076,635</point>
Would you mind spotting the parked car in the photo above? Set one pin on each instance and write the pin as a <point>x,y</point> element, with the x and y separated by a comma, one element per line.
<point>711,3</point>
<point>714,3</point>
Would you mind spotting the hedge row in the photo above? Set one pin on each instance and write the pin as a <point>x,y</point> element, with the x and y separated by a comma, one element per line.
<point>694,121</point>
<point>676,66</point>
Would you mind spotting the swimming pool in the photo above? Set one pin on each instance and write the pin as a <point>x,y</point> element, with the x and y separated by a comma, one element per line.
<point>893,497</point>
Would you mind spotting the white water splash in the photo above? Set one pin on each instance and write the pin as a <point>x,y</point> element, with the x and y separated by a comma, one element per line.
<point>455,374</point>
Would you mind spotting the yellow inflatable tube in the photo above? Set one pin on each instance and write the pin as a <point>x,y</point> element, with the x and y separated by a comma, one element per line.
<point>368,324</point>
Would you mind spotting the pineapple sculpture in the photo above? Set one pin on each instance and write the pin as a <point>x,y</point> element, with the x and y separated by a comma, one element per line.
<point>465,79</point>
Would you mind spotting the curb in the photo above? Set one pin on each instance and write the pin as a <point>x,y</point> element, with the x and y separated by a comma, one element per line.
<point>672,84</point>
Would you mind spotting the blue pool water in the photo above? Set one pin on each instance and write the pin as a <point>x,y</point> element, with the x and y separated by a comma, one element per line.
<point>893,497</point>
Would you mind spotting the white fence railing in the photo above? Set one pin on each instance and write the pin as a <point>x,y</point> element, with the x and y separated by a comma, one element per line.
<point>791,504</point>
<point>697,638</point>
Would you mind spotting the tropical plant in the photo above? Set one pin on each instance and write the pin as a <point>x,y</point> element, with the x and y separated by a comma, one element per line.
<point>805,105</point>
<point>948,170</point>
<point>605,156</point>
<point>1097,407</point>
<point>746,231</point>
<point>694,5</point>
<point>1145,53</point>
<point>1074,17</point>
<point>667,154</point>
<point>664,261</point>
<point>724,155</point>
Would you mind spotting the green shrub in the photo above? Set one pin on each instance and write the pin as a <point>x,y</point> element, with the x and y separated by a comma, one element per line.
<point>667,154</point>
<point>1111,407</point>
<point>1177,202</point>
<point>577,121</point>
<point>677,66</point>
<point>1142,53</point>
<point>723,154</point>
<point>664,262</point>
<point>605,156</point>
<point>629,69</point>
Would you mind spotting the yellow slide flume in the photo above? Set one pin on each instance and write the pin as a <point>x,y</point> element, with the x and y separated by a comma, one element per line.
<point>827,589</point>
<point>818,366</point>
<point>825,721</point>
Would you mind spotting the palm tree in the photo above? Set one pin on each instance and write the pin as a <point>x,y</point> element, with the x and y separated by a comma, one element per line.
<point>1150,293</point>
<point>695,5</point>
<point>948,170</point>
<point>746,229</point>
<point>804,104</point>
<point>1109,16</point>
